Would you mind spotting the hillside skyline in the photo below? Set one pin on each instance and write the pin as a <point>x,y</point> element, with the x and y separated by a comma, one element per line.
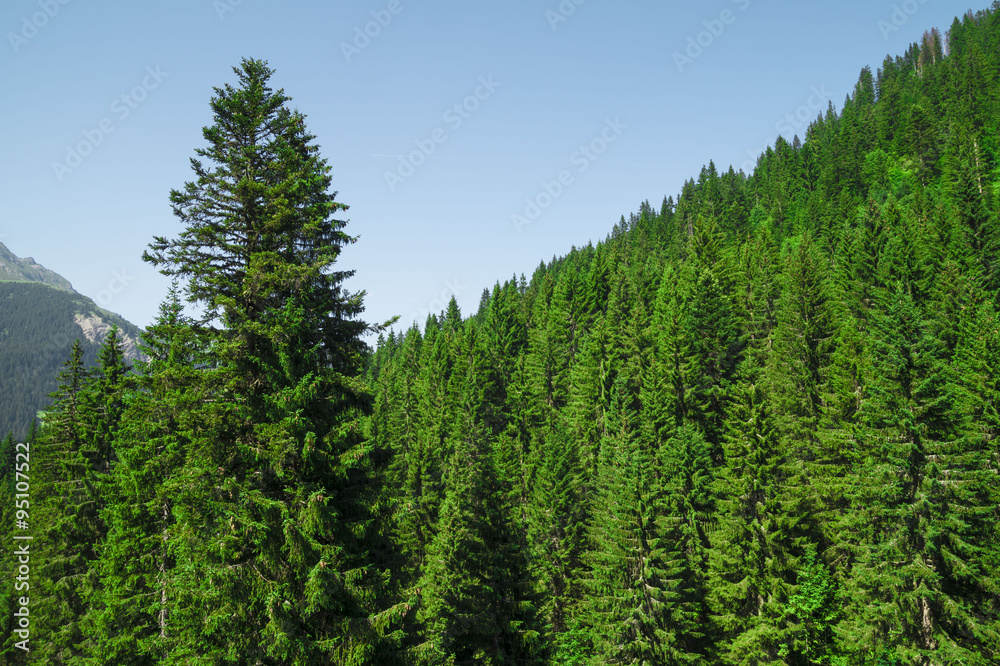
<point>494,127</point>
<point>757,423</point>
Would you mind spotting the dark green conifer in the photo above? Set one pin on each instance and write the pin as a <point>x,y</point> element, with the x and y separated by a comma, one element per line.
<point>278,526</point>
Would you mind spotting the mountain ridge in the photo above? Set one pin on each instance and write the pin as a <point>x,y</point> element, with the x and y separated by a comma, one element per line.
<point>41,315</point>
<point>17,269</point>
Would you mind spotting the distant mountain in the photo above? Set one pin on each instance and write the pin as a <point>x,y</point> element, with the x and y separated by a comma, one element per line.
<point>15,269</point>
<point>40,318</point>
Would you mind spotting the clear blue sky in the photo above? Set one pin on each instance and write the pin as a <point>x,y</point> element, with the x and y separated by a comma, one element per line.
<point>129,83</point>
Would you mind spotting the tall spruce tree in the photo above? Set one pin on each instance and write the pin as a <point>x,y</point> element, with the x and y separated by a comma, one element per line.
<point>277,525</point>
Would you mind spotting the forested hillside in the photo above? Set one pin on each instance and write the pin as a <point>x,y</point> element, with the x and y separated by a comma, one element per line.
<point>38,324</point>
<point>755,425</point>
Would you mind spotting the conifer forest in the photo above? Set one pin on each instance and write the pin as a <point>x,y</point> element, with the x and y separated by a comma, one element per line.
<point>756,424</point>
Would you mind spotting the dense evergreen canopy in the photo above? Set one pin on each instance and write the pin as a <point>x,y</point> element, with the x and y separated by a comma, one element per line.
<point>756,425</point>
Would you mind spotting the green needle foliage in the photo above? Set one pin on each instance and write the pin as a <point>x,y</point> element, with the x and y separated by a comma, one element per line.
<point>758,425</point>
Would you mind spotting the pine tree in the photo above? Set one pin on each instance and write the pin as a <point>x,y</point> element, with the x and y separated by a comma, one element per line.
<point>68,513</point>
<point>627,598</point>
<point>710,341</point>
<point>556,518</point>
<point>475,592</point>
<point>104,403</point>
<point>802,346</point>
<point>398,416</point>
<point>130,619</point>
<point>690,501</point>
<point>429,453</point>
<point>590,395</point>
<point>474,601</point>
<point>930,508</point>
<point>754,547</point>
<point>278,523</point>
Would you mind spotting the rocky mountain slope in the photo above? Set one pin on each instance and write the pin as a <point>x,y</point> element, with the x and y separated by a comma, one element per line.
<point>40,318</point>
